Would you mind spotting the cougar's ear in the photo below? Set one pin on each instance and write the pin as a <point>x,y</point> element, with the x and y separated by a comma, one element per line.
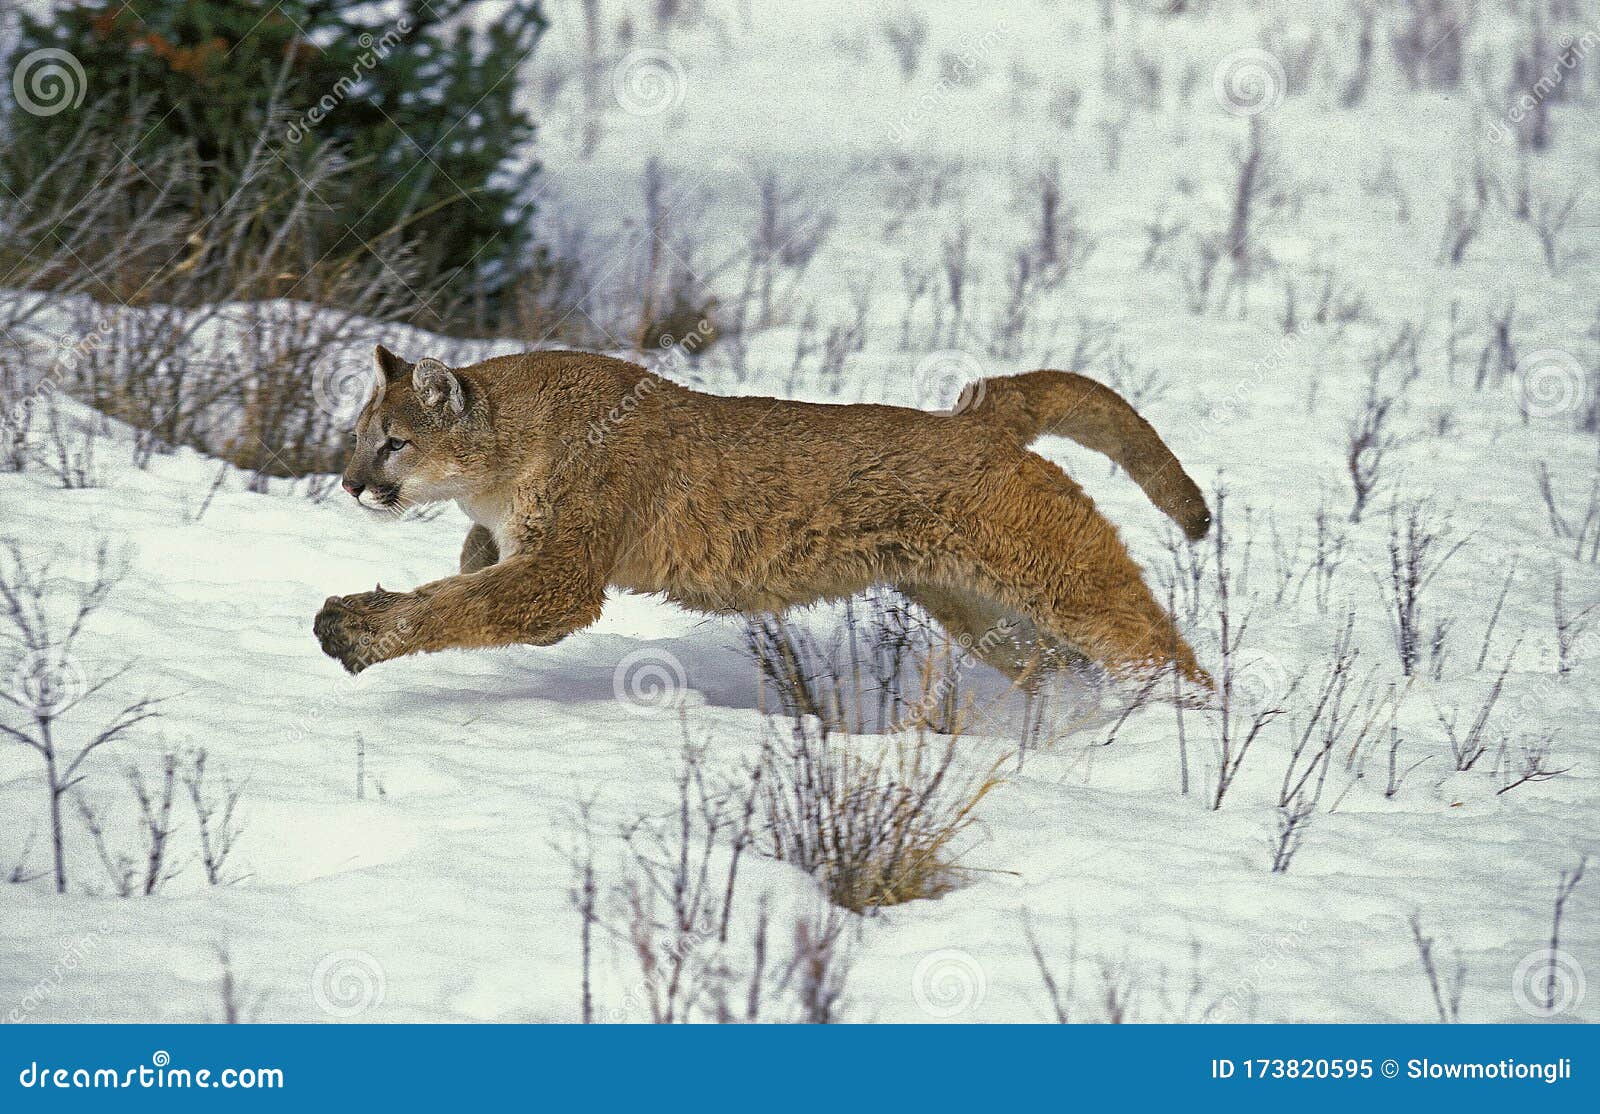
<point>436,385</point>
<point>390,366</point>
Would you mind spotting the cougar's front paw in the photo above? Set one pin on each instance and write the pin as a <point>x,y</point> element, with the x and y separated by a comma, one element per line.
<point>363,629</point>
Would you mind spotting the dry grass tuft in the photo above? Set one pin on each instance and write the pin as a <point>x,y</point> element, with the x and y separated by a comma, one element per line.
<point>876,828</point>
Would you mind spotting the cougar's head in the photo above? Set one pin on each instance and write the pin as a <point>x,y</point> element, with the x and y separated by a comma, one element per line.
<point>412,438</point>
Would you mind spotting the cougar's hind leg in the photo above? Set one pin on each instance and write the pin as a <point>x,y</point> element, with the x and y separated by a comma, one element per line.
<point>1036,543</point>
<point>479,551</point>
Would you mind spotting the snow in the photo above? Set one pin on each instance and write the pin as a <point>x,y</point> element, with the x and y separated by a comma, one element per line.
<point>447,877</point>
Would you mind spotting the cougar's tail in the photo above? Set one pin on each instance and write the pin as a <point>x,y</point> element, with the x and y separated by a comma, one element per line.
<point>1068,405</point>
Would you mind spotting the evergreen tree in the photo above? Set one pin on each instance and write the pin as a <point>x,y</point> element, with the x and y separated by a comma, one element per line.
<point>421,103</point>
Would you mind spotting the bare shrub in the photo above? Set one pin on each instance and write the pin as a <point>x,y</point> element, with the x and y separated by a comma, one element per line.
<point>1060,991</point>
<point>1497,359</point>
<point>1526,764</point>
<point>217,822</point>
<point>1185,578</point>
<point>1471,742</point>
<point>50,681</point>
<point>1463,223</point>
<point>802,673</point>
<point>69,447</point>
<point>1340,718</point>
<point>17,404</point>
<point>1161,232</point>
<point>1241,715</point>
<point>672,911</point>
<point>878,825</point>
<point>1355,88</point>
<point>1566,885</point>
<point>1494,618</point>
<point>864,677</point>
<point>236,1005</point>
<point>552,299</point>
<point>1549,216</point>
<point>1126,993</point>
<point>20,875</point>
<point>1570,627</point>
<point>1369,437</point>
<point>788,233</point>
<point>808,989</point>
<point>663,289</point>
<point>906,31</point>
<point>73,206</point>
<point>191,261</point>
<point>1060,246</point>
<point>1446,989</point>
<point>956,268</point>
<point>1418,549</point>
<point>1581,528</point>
<point>1535,81</point>
<point>149,866</point>
<point>1261,195</point>
<point>1142,385</point>
<point>141,861</point>
<point>1330,539</point>
<point>1396,775</point>
<point>676,910</point>
<point>1429,39</point>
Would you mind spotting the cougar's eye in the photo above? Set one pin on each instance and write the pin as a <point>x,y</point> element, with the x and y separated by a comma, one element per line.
<point>395,444</point>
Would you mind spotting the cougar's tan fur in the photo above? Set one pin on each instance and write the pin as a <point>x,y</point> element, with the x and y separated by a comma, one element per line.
<point>582,472</point>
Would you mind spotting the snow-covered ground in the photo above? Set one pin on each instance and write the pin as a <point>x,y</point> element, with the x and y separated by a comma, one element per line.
<point>441,890</point>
